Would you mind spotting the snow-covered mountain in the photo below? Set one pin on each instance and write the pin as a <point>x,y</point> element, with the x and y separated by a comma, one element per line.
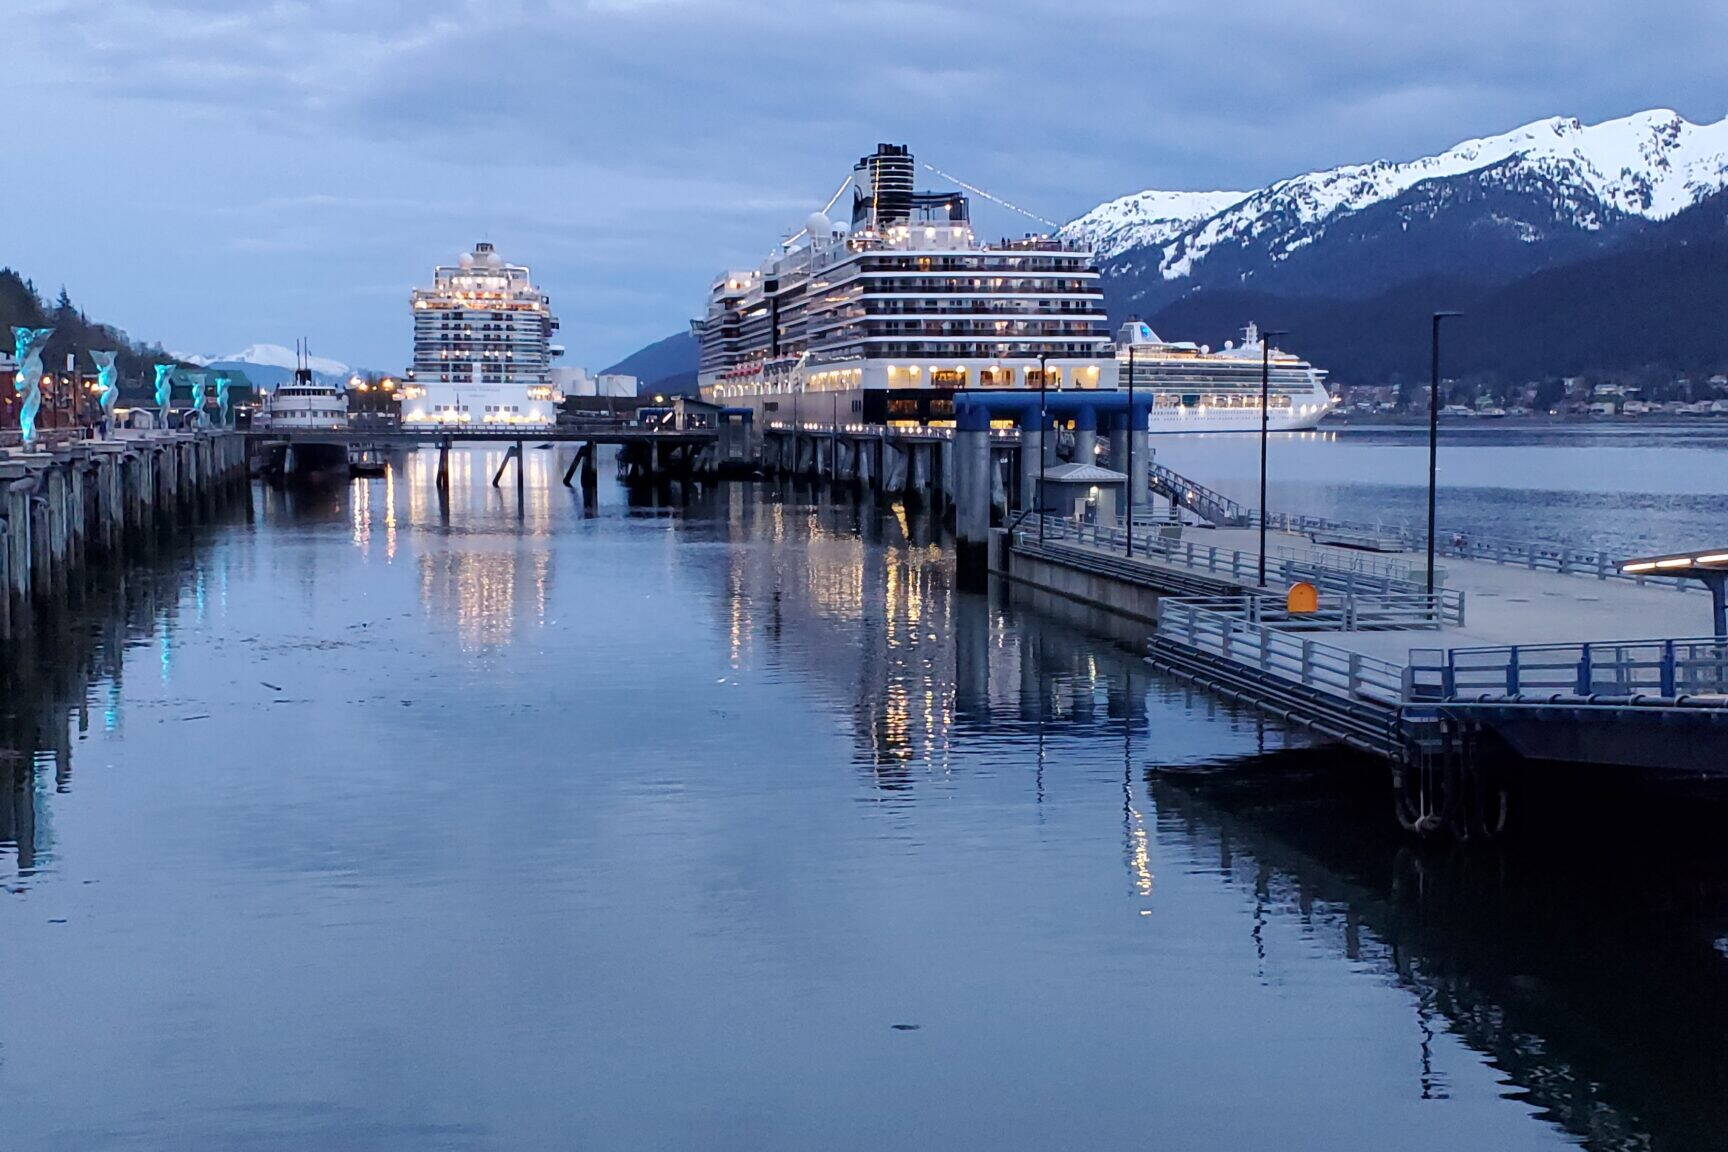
<point>1146,218</point>
<point>1554,180</point>
<point>271,365</point>
<point>273,356</point>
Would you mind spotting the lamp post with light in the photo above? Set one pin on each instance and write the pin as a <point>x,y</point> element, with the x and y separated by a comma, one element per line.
<point>1128,462</point>
<point>1043,431</point>
<point>1434,431</point>
<point>1265,428</point>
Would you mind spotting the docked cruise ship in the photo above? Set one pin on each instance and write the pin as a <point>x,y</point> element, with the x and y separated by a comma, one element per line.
<point>483,347</point>
<point>1194,389</point>
<point>884,318</point>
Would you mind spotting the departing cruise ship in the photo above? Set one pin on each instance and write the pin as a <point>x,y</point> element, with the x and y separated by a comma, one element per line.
<point>883,319</point>
<point>1194,389</point>
<point>483,347</point>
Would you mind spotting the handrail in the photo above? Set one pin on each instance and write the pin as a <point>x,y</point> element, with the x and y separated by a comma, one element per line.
<point>1668,668</point>
<point>1537,555</point>
<point>1178,489</point>
<point>1242,569</point>
<point>1200,625</point>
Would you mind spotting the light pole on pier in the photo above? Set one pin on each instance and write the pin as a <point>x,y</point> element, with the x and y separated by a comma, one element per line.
<point>1128,439</point>
<point>1265,428</point>
<point>1434,431</point>
<point>1043,431</point>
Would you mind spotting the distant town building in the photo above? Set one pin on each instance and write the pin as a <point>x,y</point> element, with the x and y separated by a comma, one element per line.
<point>483,347</point>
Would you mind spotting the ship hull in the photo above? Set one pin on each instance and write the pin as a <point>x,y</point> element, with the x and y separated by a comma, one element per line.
<point>903,406</point>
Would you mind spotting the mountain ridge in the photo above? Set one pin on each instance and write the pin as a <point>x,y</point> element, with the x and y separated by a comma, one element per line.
<point>1650,164</point>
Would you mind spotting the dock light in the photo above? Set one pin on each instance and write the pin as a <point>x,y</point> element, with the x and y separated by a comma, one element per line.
<point>1265,394</point>
<point>1434,431</point>
<point>1709,568</point>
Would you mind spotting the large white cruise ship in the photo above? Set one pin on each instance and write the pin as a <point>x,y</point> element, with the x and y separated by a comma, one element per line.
<point>483,348</point>
<point>1194,389</point>
<point>884,319</point>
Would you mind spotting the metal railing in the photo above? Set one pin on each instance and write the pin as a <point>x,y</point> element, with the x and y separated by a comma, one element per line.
<point>1538,556</point>
<point>1334,614</point>
<point>1366,564</point>
<point>1617,668</point>
<point>1242,569</point>
<point>1202,626</point>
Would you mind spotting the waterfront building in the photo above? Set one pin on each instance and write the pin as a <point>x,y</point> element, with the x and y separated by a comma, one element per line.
<point>483,347</point>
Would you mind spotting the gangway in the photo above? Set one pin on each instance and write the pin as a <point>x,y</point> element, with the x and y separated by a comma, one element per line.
<point>1213,507</point>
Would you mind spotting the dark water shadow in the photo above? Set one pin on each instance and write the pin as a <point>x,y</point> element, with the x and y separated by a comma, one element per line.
<point>1586,958</point>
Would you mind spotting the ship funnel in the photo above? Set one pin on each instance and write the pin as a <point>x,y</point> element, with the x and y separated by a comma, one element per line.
<point>885,179</point>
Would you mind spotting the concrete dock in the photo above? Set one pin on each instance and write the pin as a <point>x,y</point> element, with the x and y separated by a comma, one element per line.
<point>1522,654</point>
<point>1505,603</point>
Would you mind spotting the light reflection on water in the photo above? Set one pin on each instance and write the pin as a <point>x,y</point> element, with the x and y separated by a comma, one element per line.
<point>453,823</point>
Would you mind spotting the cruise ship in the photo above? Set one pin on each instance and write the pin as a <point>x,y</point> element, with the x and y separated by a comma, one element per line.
<point>884,318</point>
<point>1194,389</point>
<point>483,348</point>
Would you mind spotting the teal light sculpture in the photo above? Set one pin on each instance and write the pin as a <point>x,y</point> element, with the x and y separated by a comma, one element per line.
<point>27,345</point>
<point>199,382</point>
<point>107,384</point>
<point>164,391</point>
<point>224,413</point>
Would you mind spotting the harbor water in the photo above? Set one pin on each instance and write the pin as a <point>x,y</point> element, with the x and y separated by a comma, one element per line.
<point>369,820</point>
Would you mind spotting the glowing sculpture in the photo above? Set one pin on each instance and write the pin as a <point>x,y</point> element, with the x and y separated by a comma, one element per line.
<point>223,381</point>
<point>164,391</point>
<point>27,354</point>
<point>199,379</point>
<point>107,384</point>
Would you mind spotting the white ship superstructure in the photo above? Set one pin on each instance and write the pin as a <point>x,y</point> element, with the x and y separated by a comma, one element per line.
<point>306,404</point>
<point>1194,389</point>
<point>883,319</point>
<point>483,348</point>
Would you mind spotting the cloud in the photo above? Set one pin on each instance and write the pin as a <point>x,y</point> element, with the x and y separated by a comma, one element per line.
<point>629,148</point>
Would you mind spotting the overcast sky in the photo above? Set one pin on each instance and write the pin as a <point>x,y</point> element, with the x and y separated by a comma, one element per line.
<point>213,173</point>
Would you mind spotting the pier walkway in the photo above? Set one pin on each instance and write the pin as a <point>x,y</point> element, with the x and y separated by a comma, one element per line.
<point>1551,654</point>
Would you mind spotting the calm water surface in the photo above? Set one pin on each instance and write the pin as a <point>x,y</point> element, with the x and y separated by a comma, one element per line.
<point>1624,487</point>
<point>366,824</point>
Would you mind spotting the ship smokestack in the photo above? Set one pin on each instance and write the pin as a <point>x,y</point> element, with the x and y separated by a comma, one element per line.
<point>885,181</point>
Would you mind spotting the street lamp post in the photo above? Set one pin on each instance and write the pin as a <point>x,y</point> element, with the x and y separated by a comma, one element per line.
<point>1265,428</point>
<point>1434,431</point>
<point>1043,431</point>
<point>1128,439</point>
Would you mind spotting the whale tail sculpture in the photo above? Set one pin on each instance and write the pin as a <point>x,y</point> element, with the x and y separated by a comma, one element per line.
<point>223,412</point>
<point>199,417</point>
<point>107,384</point>
<point>27,346</point>
<point>164,391</point>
